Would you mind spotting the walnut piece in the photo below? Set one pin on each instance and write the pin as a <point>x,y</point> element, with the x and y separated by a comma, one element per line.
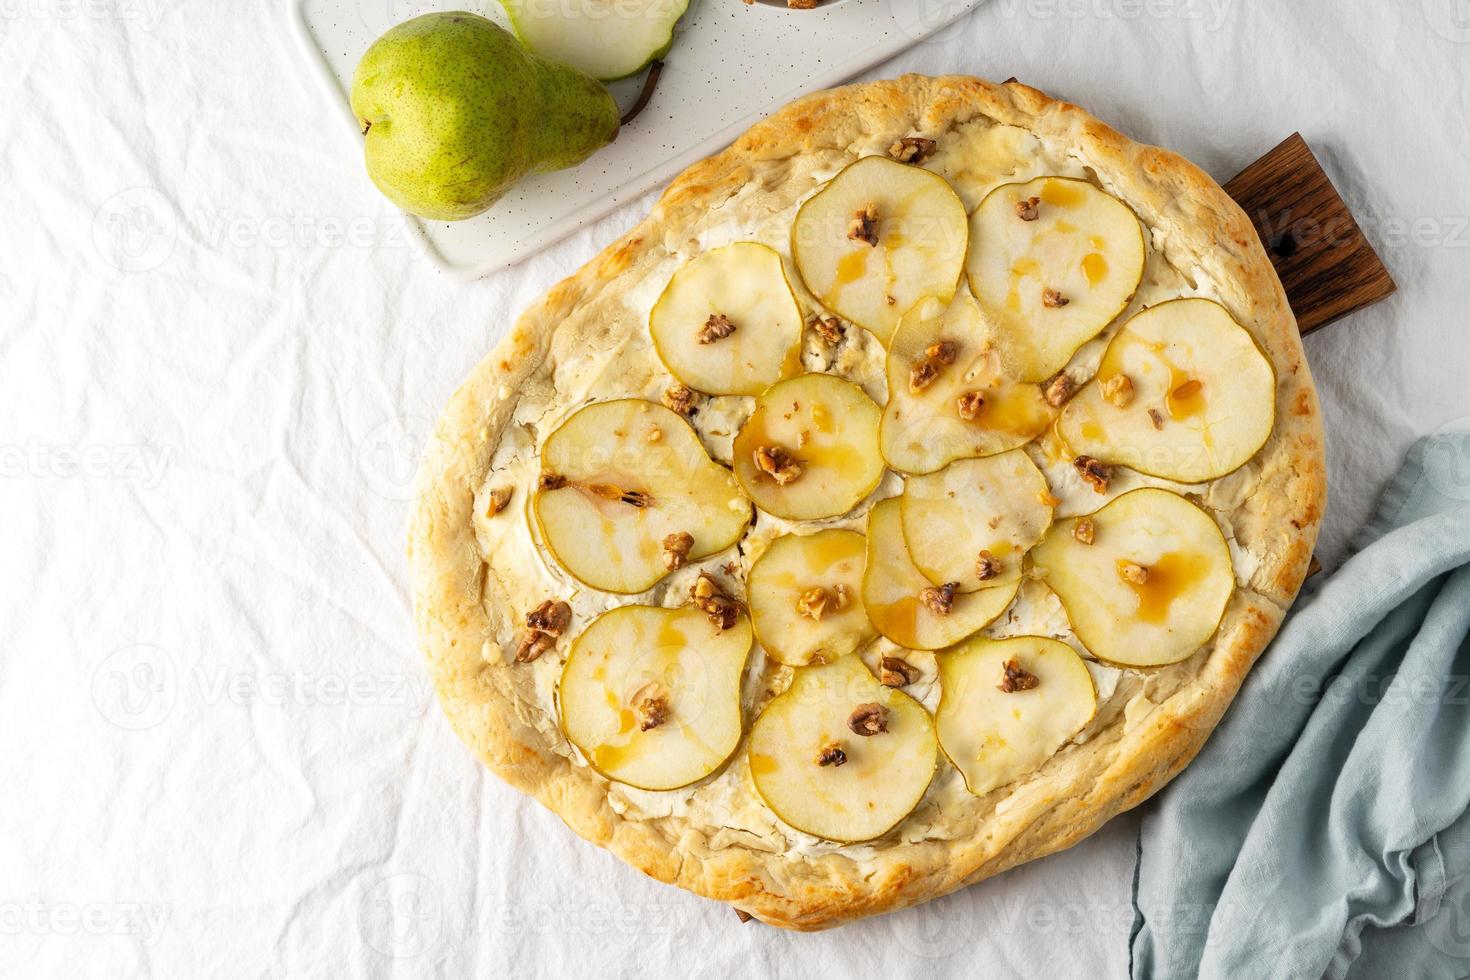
<point>1095,473</point>
<point>777,463</point>
<point>868,720</point>
<point>839,596</point>
<point>1118,390</point>
<point>912,149</point>
<point>679,398</point>
<point>896,672</point>
<point>829,328</point>
<point>711,600</point>
<point>1058,388</point>
<point>1052,299</point>
<point>499,497</point>
<point>551,481</point>
<point>922,375</point>
<point>551,617</point>
<point>864,226</point>
<point>939,598</point>
<point>1015,679</point>
<point>651,705</point>
<point>813,603</point>
<point>1132,572</point>
<point>741,914</point>
<point>533,645</point>
<point>717,327</point>
<point>1084,531</point>
<point>942,352</point>
<point>987,566</point>
<point>969,405</point>
<point>676,549</point>
<point>1029,209</point>
<point>831,754</point>
<point>1156,419</point>
<point>802,4</point>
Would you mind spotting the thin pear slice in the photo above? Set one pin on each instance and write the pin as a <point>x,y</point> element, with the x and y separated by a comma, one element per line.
<point>1007,706</point>
<point>607,40</point>
<point>1151,587</point>
<point>869,782</point>
<point>893,588</point>
<point>805,594</point>
<point>1183,393</point>
<point>617,479</point>
<point>918,225</point>
<point>651,696</point>
<point>727,323</point>
<point>938,412</point>
<point>999,506</point>
<point>1052,283</point>
<point>810,448</point>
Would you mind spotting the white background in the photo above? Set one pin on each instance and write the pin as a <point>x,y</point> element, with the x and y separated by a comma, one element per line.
<point>218,359</point>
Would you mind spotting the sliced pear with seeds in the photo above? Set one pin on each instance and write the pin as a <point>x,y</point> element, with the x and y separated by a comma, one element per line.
<point>839,755</point>
<point>880,236</point>
<point>617,479</point>
<point>1152,586</point>
<point>805,594</point>
<point>727,323</point>
<point>894,591</point>
<point>810,448</point>
<point>1053,261</point>
<point>651,696</point>
<point>976,517</point>
<point>938,412</point>
<point>1183,393</point>
<point>1007,706</point>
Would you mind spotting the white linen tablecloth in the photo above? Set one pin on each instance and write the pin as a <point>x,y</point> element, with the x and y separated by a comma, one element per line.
<point>218,359</point>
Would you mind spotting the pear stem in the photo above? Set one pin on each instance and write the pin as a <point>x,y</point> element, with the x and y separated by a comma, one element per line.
<point>649,81</point>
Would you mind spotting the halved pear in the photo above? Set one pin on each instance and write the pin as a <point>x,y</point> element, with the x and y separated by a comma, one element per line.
<point>810,448</point>
<point>1052,261</point>
<point>967,408</point>
<point>805,595</point>
<point>607,39</point>
<point>1183,393</point>
<point>999,506</point>
<point>893,590</point>
<point>918,235</point>
<point>1153,584</point>
<point>740,288</point>
<point>867,783</point>
<point>651,696</point>
<point>617,479</point>
<point>1006,706</point>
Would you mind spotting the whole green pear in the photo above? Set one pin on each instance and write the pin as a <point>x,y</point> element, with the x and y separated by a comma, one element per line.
<point>454,111</point>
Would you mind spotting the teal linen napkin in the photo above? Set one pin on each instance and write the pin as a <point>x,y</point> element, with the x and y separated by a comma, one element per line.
<point>1324,830</point>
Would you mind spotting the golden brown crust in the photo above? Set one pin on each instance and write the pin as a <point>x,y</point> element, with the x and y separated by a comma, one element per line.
<point>1118,767</point>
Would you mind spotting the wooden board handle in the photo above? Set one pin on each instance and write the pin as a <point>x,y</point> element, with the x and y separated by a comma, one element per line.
<point>1324,261</point>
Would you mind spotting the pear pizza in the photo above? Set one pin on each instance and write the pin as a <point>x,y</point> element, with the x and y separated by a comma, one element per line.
<point>907,495</point>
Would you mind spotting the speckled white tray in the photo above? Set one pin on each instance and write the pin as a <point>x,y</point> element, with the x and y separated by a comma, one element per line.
<point>731,64</point>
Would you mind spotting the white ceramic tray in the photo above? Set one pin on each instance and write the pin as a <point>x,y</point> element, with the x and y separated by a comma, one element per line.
<point>732,63</point>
